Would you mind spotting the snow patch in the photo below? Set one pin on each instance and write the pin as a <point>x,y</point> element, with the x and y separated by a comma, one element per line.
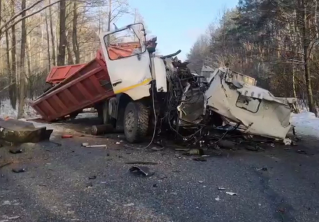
<point>306,123</point>
<point>6,110</point>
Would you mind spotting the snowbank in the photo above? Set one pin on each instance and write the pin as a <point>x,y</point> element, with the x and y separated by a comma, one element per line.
<point>6,110</point>
<point>306,124</point>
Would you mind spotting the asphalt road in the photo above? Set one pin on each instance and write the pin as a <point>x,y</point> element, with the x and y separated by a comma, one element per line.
<point>73,183</point>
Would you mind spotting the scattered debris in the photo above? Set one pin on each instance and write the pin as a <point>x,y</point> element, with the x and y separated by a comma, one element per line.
<point>89,185</point>
<point>254,148</point>
<point>200,159</point>
<point>302,152</point>
<point>200,181</point>
<point>15,151</point>
<point>226,144</point>
<point>19,170</point>
<point>288,142</point>
<point>129,205</point>
<point>141,163</point>
<point>87,145</point>
<point>156,149</point>
<point>217,198</point>
<point>117,143</point>
<point>263,169</point>
<point>17,131</point>
<point>5,164</point>
<point>183,150</point>
<point>67,136</point>
<point>192,152</point>
<point>92,177</point>
<point>141,170</point>
<point>221,188</point>
<point>231,193</point>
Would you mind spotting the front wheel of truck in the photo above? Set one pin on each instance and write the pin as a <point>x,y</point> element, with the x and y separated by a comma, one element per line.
<point>136,122</point>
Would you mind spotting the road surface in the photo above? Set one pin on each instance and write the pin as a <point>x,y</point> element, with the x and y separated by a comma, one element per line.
<point>74,183</point>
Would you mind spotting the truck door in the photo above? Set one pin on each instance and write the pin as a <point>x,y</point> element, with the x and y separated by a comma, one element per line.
<point>126,57</point>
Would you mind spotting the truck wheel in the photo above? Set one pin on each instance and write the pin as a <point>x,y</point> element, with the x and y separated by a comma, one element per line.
<point>136,122</point>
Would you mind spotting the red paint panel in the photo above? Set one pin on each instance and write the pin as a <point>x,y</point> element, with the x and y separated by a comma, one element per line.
<point>80,90</point>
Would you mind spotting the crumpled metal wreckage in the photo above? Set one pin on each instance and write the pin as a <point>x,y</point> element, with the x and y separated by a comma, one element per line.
<point>235,101</point>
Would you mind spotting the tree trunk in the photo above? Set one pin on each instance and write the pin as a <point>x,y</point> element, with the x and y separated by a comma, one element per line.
<point>305,42</point>
<point>294,81</point>
<point>75,35</point>
<point>52,36</point>
<point>62,33</point>
<point>8,61</point>
<point>70,57</point>
<point>13,87</point>
<point>22,63</point>
<point>48,41</point>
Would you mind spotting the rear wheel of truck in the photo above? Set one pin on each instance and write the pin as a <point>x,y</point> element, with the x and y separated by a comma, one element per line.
<point>136,122</point>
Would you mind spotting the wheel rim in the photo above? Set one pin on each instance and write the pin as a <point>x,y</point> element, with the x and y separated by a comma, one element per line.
<point>129,123</point>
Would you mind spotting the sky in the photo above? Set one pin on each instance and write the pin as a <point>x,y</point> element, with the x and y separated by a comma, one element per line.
<point>178,23</point>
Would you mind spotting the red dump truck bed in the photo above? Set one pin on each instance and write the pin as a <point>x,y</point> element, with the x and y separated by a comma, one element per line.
<point>86,87</point>
<point>59,73</point>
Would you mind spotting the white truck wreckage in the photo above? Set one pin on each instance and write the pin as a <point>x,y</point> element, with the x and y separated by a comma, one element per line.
<point>160,96</point>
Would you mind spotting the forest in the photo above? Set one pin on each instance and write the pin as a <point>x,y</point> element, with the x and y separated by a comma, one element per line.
<point>274,41</point>
<point>36,35</point>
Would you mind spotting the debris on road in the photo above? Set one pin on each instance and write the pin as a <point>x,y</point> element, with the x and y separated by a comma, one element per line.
<point>217,198</point>
<point>5,164</point>
<point>221,188</point>
<point>102,129</point>
<point>263,169</point>
<point>18,132</point>
<point>19,170</point>
<point>302,152</point>
<point>129,205</point>
<point>142,171</point>
<point>92,177</point>
<point>231,193</point>
<point>200,159</point>
<point>141,163</point>
<point>15,151</point>
<point>87,145</point>
<point>157,149</point>
<point>67,136</point>
<point>193,152</point>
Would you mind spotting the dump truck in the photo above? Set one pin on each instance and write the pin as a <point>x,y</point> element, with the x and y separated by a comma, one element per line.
<point>141,94</point>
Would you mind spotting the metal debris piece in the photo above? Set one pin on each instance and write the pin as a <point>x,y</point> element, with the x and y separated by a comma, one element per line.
<point>231,193</point>
<point>200,159</point>
<point>16,151</point>
<point>217,198</point>
<point>141,163</point>
<point>92,177</point>
<point>141,170</point>
<point>87,145</point>
<point>191,152</point>
<point>19,170</point>
<point>67,136</point>
<point>221,188</point>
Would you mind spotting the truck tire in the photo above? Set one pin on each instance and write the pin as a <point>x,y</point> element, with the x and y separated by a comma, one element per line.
<point>136,122</point>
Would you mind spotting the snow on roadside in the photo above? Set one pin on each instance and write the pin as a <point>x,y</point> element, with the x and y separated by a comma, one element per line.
<point>306,123</point>
<point>6,110</point>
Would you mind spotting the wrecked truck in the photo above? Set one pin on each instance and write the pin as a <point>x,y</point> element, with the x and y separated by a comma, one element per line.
<point>141,94</point>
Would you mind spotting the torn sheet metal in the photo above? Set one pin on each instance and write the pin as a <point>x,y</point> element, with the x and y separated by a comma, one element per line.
<point>255,108</point>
